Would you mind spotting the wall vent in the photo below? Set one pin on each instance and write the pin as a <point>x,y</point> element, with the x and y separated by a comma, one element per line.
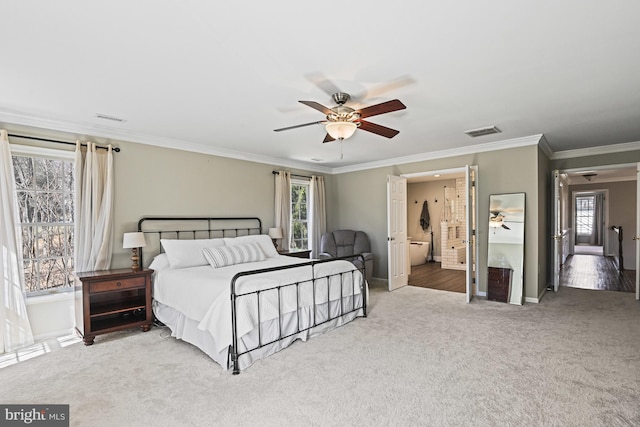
<point>482,131</point>
<point>108,117</point>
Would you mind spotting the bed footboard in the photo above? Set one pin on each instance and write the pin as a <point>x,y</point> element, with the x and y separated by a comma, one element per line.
<point>315,301</point>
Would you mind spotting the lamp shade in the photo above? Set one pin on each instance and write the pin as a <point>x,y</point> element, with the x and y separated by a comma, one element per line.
<point>341,130</point>
<point>275,233</point>
<point>133,240</point>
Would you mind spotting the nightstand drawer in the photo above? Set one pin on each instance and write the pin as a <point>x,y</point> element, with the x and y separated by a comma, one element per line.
<point>117,285</point>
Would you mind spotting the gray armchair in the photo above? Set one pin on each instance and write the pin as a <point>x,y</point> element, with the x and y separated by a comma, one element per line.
<point>348,242</point>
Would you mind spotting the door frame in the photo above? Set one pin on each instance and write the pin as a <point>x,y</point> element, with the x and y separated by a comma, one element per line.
<point>555,274</point>
<point>472,267</point>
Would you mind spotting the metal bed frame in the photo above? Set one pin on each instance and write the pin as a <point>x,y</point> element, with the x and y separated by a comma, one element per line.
<point>155,228</point>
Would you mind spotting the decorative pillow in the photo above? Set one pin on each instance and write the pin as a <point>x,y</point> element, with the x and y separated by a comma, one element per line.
<point>160,262</point>
<point>222,256</point>
<point>265,242</point>
<point>188,253</point>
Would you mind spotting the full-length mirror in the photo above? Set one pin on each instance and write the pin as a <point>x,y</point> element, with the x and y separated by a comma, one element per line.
<point>506,248</point>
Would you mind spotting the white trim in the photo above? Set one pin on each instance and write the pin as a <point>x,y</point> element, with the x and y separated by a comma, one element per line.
<point>28,150</point>
<point>442,154</point>
<point>116,134</point>
<point>434,173</point>
<point>594,151</point>
<point>49,298</point>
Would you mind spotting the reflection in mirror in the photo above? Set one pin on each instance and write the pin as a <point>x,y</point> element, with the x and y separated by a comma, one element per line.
<point>506,248</point>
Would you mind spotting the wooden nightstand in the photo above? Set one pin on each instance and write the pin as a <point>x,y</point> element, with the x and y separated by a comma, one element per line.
<point>296,253</point>
<point>498,284</point>
<point>112,300</point>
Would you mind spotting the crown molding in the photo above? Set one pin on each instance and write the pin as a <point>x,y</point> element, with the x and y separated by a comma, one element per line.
<point>490,146</point>
<point>594,151</point>
<point>80,131</point>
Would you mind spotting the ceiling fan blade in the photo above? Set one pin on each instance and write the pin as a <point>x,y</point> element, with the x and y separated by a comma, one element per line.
<point>378,129</point>
<point>384,107</point>
<point>382,88</point>
<point>326,85</point>
<point>317,106</point>
<point>328,138</point>
<point>298,126</point>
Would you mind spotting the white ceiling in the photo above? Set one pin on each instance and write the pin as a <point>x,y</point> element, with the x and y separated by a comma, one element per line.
<point>218,77</point>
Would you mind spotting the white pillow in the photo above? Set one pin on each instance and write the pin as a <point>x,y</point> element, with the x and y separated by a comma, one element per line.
<point>160,262</point>
<point>188,253</point>
<point>222,256</point>
<point>265,242</point>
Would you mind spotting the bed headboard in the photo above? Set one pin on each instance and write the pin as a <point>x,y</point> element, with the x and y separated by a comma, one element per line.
<point>190,228</point>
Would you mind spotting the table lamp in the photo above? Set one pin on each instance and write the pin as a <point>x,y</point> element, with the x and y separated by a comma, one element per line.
<point>275,234</point>
<point>134,241</point>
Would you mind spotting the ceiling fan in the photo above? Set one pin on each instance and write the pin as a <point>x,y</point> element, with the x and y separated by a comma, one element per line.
<point>342,121</point>
<point>497,220</point>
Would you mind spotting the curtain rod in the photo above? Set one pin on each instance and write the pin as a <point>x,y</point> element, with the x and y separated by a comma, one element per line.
<point>116,149</point>
<point>293,174</point>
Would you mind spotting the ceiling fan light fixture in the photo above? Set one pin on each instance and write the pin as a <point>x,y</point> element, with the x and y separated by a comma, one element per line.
<point>341,130</point>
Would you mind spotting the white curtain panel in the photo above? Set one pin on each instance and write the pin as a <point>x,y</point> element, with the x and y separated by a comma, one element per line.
<point>94,208</point>
<point>283,207</point>
<point>15,329</point>
<point>318,215</point>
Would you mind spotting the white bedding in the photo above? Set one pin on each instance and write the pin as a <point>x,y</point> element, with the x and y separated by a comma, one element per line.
<point>202,293</point>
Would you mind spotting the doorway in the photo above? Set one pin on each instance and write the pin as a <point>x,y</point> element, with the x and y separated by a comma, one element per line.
<point>595,215</point>
<point>441,216</point>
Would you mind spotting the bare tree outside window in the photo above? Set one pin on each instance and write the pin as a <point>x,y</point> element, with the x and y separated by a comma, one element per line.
<point>299,210</point>
<point>45,189</point>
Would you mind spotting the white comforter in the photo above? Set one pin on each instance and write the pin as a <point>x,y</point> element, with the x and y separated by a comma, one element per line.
<point>203,293</point>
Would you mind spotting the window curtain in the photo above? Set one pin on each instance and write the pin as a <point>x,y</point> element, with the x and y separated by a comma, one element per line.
<point>318,216</point>
<point>283,207</point>
<point>15,329</point>
<point>94,208</point>
<point>597,236</point>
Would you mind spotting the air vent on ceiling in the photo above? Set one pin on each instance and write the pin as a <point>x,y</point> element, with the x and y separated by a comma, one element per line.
<point>482,131</point>
<point>108,117</point>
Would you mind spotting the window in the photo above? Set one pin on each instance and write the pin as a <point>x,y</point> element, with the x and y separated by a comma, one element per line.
<point>299,214</point>
<point>585,210</point>
<point>45,190</point>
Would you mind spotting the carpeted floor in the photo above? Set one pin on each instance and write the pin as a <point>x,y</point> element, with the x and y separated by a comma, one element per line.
<point>422,357</point>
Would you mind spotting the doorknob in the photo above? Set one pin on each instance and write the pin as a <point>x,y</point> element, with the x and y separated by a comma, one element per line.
<point>636,238</point>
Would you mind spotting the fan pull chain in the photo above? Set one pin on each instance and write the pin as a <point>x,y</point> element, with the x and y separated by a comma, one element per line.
<point>341,148</point>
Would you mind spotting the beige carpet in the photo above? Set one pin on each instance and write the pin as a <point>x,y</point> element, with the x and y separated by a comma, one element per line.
<point>423,357</point>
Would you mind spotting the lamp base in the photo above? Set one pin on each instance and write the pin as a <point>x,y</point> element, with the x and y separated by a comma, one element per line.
<point>135,259</point>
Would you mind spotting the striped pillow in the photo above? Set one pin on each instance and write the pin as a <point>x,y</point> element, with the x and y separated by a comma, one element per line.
<point>222,256</point>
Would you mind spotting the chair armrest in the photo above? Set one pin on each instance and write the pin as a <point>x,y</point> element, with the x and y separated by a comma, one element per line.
<point>367,255</point>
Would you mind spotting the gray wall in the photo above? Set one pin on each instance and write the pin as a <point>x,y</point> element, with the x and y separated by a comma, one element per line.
<point>358,200</point>
<point>159,181</point>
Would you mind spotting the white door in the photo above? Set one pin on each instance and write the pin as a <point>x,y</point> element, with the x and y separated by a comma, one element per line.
<point>471,179</point>
<point>556,238</point>
<point>637,236</point>
<point>397,247</point>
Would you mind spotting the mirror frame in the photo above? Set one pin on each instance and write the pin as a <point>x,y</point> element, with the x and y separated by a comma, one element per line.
<point>505,252</point>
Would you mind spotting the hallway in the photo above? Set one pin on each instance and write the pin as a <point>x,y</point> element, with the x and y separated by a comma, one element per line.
<point>596,272</point>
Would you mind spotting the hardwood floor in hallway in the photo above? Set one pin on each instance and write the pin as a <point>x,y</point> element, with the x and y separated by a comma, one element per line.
<point>579,271</point>
<point>596,272</point>
<point>431,275</point>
